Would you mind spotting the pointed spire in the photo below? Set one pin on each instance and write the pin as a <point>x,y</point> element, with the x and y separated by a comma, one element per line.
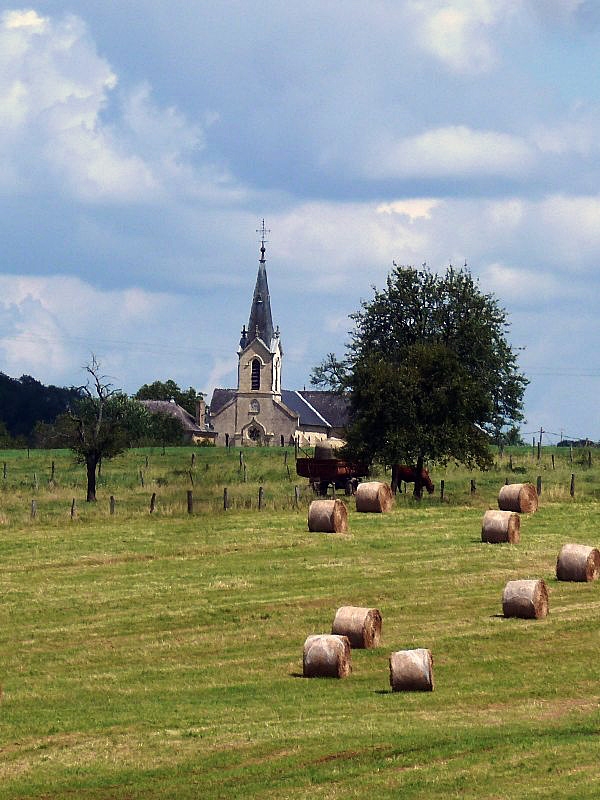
<point>260,324</point>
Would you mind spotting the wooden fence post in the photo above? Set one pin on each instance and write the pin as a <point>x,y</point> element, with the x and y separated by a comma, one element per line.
<point>153,503</point>
<point>552,460</point>
<point>73,509</point>
<point>141,479</point>
<point>572,489</point>
<point>225,499</point>
<point>539,485</point>
<point>261,496</point>
<point>442,487</point>
<point>33,509</point>
<point>112,505</point>
<point>473,486</point>
<point>4,472</point>
<point>296,496</point>
<point>190,502</point>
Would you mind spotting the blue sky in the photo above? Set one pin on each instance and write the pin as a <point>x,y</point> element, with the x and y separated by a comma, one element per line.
<point>142,143</point>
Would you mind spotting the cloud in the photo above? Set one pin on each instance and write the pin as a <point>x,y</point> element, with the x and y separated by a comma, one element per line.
<point>451,151</point>
<point>459,33</point>
<point>513,284</point>
<point>64,128</point>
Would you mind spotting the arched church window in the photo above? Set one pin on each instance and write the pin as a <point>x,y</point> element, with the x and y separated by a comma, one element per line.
<point>255,374</point>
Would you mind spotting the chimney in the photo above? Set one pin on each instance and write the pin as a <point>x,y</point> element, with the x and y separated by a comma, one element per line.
<point>200,413</point>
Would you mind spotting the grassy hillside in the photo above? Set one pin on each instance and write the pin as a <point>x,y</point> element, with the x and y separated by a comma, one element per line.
<point>160,655</point>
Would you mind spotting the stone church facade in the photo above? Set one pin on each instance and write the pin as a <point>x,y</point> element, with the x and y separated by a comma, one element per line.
<point>259,411</point>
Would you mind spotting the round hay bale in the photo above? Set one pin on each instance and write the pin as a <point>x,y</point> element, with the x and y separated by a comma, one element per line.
<point>519,497</point>
<point>327,450</point>
<point>527,599</point>
<point>411,671</point>
<point>326,656</point>
<point>327,516</point>
<point>501,526</point>
<point>578,562</point>
<point>374,497</point>
<point>362,626</point>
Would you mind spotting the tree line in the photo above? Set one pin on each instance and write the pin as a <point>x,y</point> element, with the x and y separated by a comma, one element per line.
<point>35,415</point>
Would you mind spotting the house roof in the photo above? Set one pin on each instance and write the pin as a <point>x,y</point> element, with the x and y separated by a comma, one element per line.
<point>188,423</point>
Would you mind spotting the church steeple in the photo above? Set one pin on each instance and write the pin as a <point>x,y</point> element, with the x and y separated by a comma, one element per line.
<point>260,324</point>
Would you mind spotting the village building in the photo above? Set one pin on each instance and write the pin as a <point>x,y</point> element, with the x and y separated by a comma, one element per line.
<point>259,411</point>
<point>194,429</point>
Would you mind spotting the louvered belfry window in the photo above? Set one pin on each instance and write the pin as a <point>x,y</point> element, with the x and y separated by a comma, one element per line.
<point>255,374</point>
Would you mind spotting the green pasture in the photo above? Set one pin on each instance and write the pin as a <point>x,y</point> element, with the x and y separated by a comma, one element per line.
<point>160,655</point>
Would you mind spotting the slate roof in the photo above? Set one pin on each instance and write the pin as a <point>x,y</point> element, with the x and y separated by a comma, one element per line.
<point>188,423</point>
<point>260,323</point>
<point>334,407</point>
<point>313,408</point>
<point>220,399</point>
<point>306,413</point>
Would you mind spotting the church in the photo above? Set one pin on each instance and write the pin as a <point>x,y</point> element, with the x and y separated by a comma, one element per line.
<point>259,411</point>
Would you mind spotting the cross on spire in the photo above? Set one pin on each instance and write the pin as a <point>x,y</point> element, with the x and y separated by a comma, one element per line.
<point>263,238</point>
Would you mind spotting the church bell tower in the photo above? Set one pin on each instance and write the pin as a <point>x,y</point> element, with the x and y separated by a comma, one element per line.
<point>259,358</point>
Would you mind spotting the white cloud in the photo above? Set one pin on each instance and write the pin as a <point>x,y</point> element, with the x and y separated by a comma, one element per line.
<point>451,151</point>
<point>514,284</point>
<point>413,208</point>
<point>56,132</point>
<point>459,33</point>
<point>49,326</point>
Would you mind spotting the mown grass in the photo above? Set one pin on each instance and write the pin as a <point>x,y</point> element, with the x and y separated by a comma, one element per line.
<point>160,655</point>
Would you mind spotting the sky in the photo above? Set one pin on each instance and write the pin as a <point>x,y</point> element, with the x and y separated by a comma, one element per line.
<point>142,143</point>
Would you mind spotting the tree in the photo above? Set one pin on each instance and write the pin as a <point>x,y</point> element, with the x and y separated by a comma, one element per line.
<point>169,390</point>
<point>429,372</point>
<point>100,425</point>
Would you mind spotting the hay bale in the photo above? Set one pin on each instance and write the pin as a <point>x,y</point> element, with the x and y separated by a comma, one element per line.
<point>501,526</point>
<point>326,656</point>
<point>578,562</point>
<point>527,599</point>
<point>327,516</point>
<point>327,450</point>
<point>411,671</point>
<point>362,626</point>
<point>374,497</point>
<point>519,497</point>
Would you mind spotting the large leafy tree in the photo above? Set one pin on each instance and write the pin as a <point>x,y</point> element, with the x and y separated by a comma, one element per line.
<point>429,371</point>
<point>100,425</point>
<point>169,390</point>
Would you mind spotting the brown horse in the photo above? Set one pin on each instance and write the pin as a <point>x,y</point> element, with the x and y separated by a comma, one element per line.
<point>401,472</point>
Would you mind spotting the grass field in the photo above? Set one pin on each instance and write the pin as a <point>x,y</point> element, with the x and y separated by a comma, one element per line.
<point>160,655</point>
